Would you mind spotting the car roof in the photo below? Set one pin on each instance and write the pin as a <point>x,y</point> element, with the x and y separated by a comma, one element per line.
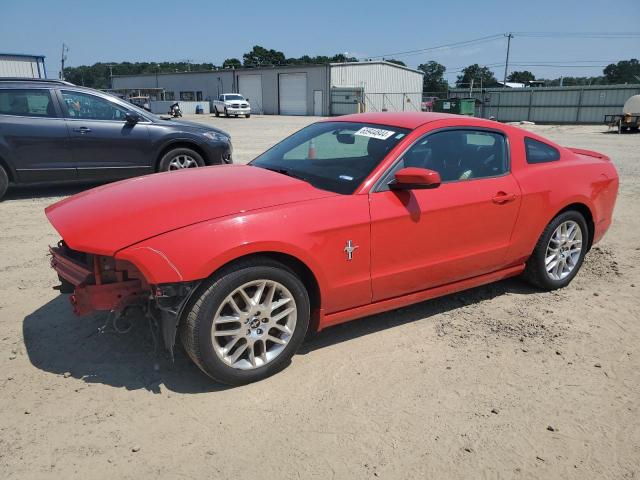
<point>19,81</point>
<point>411,120</point>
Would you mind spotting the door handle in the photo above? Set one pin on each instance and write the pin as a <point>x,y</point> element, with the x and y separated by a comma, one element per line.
<point>503,197</point>
<point>82,130</point>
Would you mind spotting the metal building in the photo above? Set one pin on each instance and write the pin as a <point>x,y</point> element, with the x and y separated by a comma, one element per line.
<point>294,89</point>
<point>22,65</point>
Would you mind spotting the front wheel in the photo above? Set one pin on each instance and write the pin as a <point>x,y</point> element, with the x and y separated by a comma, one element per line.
<point>216,112</point>
<point>226,113</point>
<point>247,323</point>
<point>559,253</point>
<point>180,158</point>
<point>4,182</point>
<point>248,115</point>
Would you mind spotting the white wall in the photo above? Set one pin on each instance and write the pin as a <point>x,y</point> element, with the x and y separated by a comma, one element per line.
<point>386,86</point>
<point>24,67</point>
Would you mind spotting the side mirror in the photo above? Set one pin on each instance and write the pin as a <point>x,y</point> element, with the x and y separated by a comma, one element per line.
<point>412,178</point>
<point>131,118</point>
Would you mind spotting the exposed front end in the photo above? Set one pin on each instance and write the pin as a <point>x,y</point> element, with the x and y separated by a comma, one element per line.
<point>96,282</point>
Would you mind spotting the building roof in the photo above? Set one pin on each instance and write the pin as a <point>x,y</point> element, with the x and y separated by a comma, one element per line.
<point>376,62</point>
<point>23,55</point>
<point>274,67</point>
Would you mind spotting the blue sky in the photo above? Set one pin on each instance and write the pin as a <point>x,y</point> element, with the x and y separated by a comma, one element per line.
<point>212,31</point>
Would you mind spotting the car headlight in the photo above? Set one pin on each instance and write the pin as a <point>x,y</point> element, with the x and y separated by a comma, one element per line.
<point>216,136</point>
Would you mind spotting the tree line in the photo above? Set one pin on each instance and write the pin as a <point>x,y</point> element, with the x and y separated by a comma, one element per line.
<point>98,74</point>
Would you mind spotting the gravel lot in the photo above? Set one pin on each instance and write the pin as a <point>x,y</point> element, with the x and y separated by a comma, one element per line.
<point>497,382</point>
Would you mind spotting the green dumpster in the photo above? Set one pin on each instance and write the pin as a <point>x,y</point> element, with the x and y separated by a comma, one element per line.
<point>459,106</point>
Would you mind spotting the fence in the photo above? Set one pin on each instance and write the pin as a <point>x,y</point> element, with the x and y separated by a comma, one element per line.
<point>580,104</point>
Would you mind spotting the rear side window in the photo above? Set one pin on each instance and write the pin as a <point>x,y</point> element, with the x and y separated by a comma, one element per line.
<point>26,103</point>
<point>539,152</point>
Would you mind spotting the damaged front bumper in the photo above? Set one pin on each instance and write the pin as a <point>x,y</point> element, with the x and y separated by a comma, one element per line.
<point>99,283</point>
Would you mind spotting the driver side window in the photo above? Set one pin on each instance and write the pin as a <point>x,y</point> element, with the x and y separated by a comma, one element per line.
<point>459,155</point>
<point>89,107</point>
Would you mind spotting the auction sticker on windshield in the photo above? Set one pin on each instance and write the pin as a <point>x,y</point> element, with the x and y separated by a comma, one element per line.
<point>378,133</point>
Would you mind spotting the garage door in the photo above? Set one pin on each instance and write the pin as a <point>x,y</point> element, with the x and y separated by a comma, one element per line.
<point>293,93</point>
<point>250,86</point>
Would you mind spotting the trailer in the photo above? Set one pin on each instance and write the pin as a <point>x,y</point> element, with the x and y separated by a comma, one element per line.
<point>629,119</point>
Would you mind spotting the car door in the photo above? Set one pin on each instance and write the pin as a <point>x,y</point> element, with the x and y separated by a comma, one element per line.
<point>104,145</point>
<point>425,238</point>
<point>33,135</point>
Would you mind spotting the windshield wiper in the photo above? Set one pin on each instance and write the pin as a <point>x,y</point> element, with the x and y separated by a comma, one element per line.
<point>288,173</point>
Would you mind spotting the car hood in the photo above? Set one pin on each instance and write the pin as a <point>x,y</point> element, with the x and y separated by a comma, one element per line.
<point>106,219</point>
<point>200,127</point>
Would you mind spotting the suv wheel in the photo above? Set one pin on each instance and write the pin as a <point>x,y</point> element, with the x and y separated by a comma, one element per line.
<point>4,182</point>
<point>179,159</point>
<point>247,322</point>
<point>216,112</point>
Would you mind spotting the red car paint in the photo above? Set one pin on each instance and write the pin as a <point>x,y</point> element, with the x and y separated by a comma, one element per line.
<point>412,245</point>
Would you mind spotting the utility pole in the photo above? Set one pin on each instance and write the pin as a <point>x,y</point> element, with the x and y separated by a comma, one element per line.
<point>506,63</point>
<point>63,57</point>
<point>110,75</point>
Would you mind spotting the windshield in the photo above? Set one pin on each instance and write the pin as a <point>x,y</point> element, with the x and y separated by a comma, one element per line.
<point>233,97</point>
<point>334,156</point>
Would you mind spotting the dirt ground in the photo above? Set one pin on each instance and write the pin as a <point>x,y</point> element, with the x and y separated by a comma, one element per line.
<point>497,382</point>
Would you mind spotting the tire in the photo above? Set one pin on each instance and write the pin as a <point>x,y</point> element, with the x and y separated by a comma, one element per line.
<point>4,182</point>
<point>185,156</point>
<point>208,351</point>
<point>216,112</point>
<point>226,114</point>
<point>536,269</point>
<point>248,115</point>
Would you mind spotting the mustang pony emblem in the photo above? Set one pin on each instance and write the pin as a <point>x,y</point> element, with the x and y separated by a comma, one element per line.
<point>349,249</point>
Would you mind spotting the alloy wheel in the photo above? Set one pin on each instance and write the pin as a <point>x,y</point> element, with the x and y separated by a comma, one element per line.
<point>563,250</point>
<point>254,324</point>
<point>182,161</point>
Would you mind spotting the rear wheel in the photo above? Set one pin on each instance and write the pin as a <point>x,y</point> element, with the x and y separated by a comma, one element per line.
<point>559,253</point>
<point>4,182</point>
<point>216,112</point>
<point>247,323</point>
<point>180,158</point>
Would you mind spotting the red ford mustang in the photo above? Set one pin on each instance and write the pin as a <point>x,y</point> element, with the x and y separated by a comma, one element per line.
<point>347,217</point>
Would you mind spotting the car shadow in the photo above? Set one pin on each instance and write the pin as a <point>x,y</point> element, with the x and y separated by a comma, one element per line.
<point>422,311</point>
<point>58,342</point>
<point>20,192</point>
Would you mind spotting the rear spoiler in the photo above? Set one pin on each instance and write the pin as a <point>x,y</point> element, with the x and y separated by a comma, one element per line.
<point>589,153</point>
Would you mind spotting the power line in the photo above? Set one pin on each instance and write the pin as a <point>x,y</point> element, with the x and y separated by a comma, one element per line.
<point>463,43</point>
<point>489,38</point>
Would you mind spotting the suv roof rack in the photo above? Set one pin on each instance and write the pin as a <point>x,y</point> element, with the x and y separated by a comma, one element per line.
<point>35,80</point>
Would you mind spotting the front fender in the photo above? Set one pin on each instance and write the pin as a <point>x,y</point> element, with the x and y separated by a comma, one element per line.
<point>196,251</point>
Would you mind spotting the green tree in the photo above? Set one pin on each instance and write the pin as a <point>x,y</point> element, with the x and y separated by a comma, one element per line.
<point>259,56</point>
<point>480,75</point>
<point>231,63</point>
<point>625,71</point>
<point>521,77</point>
<point>397,62</point>
<point>434,80</point>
